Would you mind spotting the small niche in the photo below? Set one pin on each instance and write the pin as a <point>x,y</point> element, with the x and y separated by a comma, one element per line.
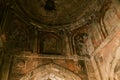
<point>51,45</point>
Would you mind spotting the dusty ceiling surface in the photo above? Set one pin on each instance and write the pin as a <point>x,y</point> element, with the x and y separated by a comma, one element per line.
<point>57,12</point>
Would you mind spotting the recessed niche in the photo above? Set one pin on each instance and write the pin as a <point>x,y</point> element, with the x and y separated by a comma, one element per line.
<point>51,45</point>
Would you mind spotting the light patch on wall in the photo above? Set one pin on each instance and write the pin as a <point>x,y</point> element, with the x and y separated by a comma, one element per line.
<point>51,77</point>
<point>54,69</point>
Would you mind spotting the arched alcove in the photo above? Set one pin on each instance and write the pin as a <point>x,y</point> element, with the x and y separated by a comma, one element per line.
<point>51,44</point>
<point>18,35</point>
<point>51,72</point>
<point>82,43</point>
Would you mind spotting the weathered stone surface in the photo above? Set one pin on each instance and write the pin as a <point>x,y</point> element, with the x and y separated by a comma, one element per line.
<point>54,40</point>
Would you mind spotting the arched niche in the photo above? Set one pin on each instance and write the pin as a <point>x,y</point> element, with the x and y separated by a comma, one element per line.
<point>18,35</point>
<point>51,44</point>
<point>51,72</point>
<point>82,43</point>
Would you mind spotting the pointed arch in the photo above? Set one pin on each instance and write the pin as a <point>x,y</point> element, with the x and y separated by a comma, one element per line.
<point>51,71</point>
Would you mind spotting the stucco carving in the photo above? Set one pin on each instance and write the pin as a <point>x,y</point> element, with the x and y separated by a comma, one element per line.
<point>83,44</point>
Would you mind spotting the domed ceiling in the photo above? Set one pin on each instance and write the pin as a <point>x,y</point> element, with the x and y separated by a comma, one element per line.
<point>57,12</point>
